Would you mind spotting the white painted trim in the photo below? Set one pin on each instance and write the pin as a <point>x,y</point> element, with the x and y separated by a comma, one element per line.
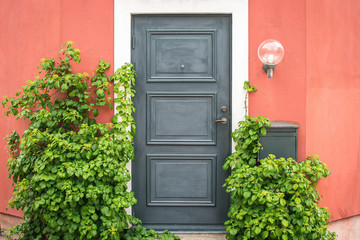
<point>123,9</point>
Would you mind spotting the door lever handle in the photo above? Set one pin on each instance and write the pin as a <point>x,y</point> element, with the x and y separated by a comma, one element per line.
<point>223,121</point>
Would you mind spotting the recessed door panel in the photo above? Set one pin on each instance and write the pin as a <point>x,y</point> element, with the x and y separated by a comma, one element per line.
<point>181,180</point>
<point>177,55</point>
<point>181,118</point>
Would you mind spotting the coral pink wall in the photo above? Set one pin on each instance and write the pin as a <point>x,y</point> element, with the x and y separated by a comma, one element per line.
<point>333,99</point>
<point>284,96</point>
<point>31,30</point>
<point>316,85</point>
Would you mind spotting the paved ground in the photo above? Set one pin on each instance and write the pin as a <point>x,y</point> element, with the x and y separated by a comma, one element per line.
<point>184,236</point>
<point>2,237</point>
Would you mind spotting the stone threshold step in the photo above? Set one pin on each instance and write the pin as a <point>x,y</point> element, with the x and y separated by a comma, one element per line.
<point>201,236</point>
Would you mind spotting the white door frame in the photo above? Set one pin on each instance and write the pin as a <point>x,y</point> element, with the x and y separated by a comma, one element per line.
<point>123,9</point>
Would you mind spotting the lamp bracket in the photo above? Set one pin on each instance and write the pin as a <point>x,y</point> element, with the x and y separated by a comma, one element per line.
<point>269,69</point>
<point>266,66</point>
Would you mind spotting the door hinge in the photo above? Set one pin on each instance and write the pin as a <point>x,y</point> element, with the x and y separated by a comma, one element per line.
<point>132,42</point>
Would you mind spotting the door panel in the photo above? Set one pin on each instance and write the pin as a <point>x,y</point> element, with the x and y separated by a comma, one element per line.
<point>183,67</point>
<point>181,118</point>
<point>168,170</point>
<point>180,56</point>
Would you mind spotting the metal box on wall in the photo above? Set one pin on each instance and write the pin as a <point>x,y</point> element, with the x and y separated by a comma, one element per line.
<point>281,140</point>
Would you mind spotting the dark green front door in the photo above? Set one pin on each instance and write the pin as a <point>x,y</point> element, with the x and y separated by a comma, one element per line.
<point>183,86</point>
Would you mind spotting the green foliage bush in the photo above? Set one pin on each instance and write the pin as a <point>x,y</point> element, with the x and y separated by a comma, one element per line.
<point>273,198</point>
<point>69,172</point>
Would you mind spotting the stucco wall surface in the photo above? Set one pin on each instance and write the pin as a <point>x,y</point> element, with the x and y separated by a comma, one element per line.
<point>333,100</point>
<point>31,30</point>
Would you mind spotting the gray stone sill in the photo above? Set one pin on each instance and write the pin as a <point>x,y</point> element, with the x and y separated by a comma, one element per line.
<point>202,236</point>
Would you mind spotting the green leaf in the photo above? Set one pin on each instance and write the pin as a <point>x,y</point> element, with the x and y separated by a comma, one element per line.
<point>234,231</point>
<point>252,162</point>
<point>285,223</point>
<point>257,230</point>
<point>64,87</point>
<point>57,85</point>
<point>247,194</point>
<point>106,211</point>
<point>263,131</point>
<point>265,234</point>
<point>96,113</point>
<point>100,92</point>
<point>278,232</point>
<point>114,119</point>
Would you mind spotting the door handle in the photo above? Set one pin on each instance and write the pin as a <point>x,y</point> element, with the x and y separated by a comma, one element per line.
<point>223,121</point>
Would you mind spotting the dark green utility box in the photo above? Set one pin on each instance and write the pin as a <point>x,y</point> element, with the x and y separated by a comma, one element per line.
<point>281,139</point>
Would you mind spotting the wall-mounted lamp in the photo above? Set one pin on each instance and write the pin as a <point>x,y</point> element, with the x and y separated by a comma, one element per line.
<point>270,52</point>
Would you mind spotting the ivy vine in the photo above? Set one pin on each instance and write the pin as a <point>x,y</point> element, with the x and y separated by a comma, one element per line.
<point>277,199</point>
<point>272,198</point>
<point>249,89</point>
<point>247,139</point>
<point>69,171</point>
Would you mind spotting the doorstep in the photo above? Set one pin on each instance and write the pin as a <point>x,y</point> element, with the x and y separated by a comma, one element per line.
<point>201,236</point>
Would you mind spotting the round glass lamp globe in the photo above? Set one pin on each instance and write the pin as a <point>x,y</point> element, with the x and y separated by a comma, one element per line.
<point>271,52</point>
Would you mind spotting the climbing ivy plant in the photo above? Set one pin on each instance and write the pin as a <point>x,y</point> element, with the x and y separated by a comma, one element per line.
<point>277,199</point>
<point>272,198</point>
<point>69,171</point>
<point>249,89</point>
<point>247,139</point>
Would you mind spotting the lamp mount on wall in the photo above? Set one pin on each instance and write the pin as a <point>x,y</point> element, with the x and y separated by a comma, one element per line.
<point>270,52</point>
